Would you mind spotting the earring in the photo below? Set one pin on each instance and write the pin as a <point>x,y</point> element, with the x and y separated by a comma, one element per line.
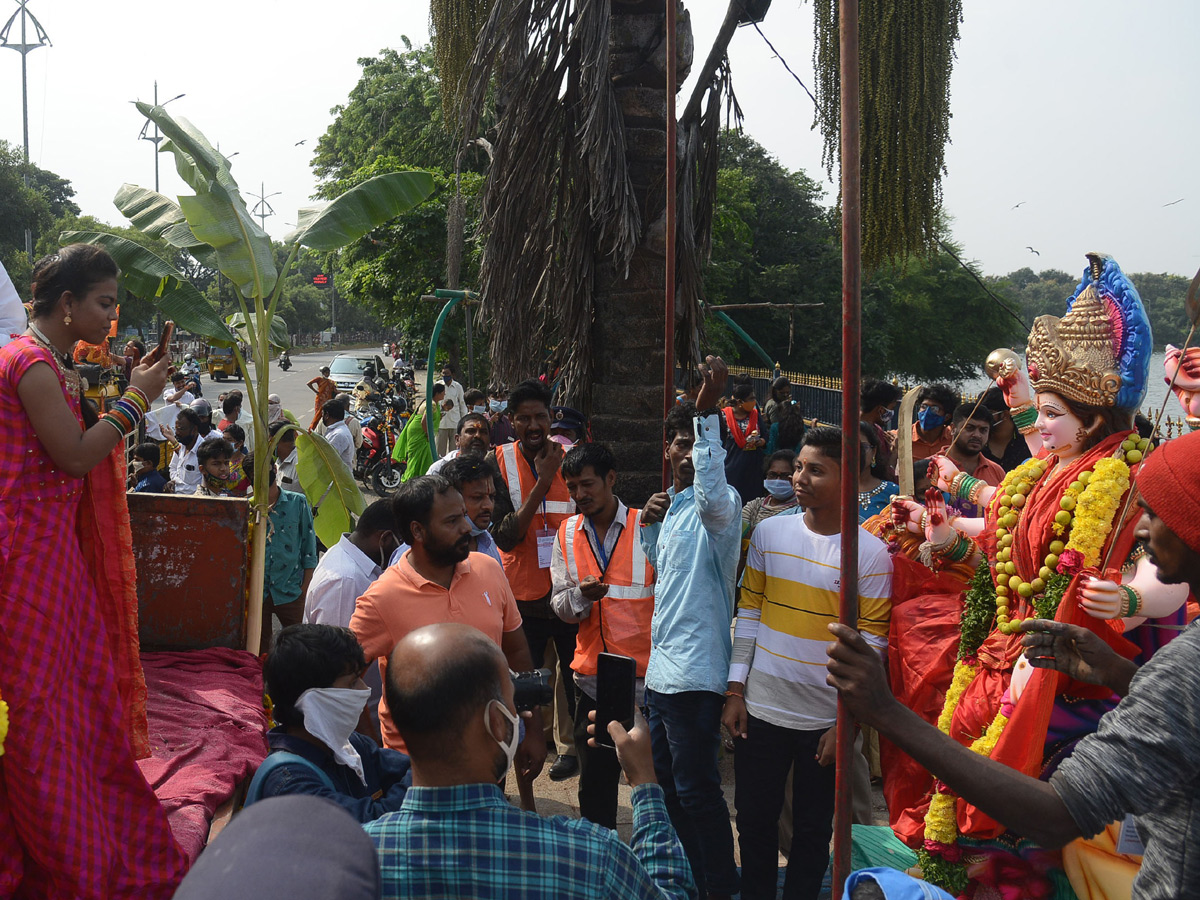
<point>67,318</point>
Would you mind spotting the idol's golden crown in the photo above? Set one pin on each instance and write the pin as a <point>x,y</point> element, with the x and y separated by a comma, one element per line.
<point>1075,356</point>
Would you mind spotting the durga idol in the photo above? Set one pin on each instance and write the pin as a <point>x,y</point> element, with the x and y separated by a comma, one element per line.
<point>1053,543</point>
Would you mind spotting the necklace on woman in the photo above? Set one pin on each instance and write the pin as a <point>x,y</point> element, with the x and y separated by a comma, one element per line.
<point>64,359</point>
<point>864,497</point>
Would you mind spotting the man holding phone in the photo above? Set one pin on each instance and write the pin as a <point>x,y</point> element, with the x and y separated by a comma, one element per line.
<point>603,581</point>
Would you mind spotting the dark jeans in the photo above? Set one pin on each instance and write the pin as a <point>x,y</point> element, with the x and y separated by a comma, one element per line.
<point>599,771</point>
<point>289,614</point>
<point>539,632</point>
<point>760,769</point>
<point>685,732</point>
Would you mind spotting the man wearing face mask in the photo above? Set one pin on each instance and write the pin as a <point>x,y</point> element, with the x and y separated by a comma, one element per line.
<point>457,408</point>
<point>502,430</point>
<point>314,680</point>
<point>878,401</point>
<point>350,566</point>
<point>456,835</point>
<point>185,439</point>
<point>931,433</point>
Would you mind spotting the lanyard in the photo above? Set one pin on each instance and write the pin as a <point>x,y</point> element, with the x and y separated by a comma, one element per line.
<point>597,546</point>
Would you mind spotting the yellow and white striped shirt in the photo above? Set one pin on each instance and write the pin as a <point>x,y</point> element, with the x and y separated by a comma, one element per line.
<point>789,595</point>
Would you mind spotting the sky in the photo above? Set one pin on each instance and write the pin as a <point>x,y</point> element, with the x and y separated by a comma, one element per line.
<point>1075,124</point>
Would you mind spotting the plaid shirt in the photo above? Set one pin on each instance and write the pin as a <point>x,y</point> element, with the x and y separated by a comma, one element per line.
<point>468,841</point>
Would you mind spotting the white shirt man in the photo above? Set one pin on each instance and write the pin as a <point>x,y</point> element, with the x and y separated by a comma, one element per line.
<point>339,437</point>
<point>341,577</point>
<point>185,469</point>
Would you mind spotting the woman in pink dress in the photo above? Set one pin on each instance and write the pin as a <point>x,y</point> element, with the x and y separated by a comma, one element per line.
<point>77,819</point>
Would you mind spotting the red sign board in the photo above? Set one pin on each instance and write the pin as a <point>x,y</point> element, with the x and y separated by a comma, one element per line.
<point>320,279</point>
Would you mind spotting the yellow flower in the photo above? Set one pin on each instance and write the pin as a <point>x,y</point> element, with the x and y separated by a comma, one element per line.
<point>1096,508</point>
<point>941,822</point>
<point>986,743</point>
<point>964,674</point>
<point>3,724</point>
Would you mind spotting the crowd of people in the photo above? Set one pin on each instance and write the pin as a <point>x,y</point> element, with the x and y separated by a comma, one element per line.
<point>1020,663</point>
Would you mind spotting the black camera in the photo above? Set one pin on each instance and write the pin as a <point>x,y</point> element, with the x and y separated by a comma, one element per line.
<point>532,689</point>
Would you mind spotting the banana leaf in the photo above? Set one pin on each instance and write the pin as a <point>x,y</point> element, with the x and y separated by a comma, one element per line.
<point>160,216</point>
<point>152,278</point>
<point>281,338</point>
<point>328,485</point>
<point>362,208</point>
<point>217,214</point>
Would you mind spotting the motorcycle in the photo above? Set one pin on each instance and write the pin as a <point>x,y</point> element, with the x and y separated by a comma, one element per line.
<point>285,361</point>
<point>380,425</point>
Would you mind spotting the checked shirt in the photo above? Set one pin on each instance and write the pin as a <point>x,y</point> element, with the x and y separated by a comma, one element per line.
<point>467,841</point>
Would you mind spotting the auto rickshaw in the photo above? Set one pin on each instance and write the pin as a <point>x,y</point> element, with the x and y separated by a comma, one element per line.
<point>222,363</point>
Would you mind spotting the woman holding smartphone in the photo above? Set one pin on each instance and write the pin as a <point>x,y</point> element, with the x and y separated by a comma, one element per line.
<point>77,818</point>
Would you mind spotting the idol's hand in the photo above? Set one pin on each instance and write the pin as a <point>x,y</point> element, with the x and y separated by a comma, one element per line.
<point>1102,599</point>
<point>1005,367</point>
<point>942,472</point>
<point>937,524</point>
<point>907,515</point>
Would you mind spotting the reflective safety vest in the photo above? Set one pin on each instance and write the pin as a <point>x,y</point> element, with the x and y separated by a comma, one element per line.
<point>620,621</point>
<point>528,580</point>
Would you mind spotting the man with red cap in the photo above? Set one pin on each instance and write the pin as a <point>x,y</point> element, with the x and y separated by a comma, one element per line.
<point>1143,761</point>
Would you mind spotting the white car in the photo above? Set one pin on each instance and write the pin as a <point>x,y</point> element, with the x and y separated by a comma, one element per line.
<point>347,368</point>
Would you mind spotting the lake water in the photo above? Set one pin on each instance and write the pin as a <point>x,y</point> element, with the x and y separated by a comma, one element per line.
<point>1155,393</point>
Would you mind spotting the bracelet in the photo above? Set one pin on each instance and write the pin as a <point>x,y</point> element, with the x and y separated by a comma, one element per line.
<point>735,694</point>
<point>125,414</point>
<point>924,521</point>
<point>1134,598</point>
<point>961,549</point>
<point>963,486</point>
<point>138,396</point>
<point>976,491</point>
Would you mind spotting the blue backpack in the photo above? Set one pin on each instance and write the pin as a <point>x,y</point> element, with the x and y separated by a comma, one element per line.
<point>274,761</point>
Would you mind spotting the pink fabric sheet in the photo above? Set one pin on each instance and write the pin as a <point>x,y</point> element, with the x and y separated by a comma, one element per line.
<point>207,732</point>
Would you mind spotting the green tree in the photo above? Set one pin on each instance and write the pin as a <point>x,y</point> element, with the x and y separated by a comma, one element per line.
<point>34,207</point>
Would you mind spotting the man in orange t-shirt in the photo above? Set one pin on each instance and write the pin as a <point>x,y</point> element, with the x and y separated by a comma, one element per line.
<point>439,580</point>
<point>972,427</point>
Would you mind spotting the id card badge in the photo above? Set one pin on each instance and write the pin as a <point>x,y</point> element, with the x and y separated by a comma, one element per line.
<point>545,546</point>
<point>1130,842</point>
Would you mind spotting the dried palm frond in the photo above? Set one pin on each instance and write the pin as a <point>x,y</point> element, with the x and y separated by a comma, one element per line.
<point>559,197</point>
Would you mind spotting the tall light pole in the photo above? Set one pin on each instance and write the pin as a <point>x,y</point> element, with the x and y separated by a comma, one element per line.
<point>24,48</point>
<point>156,137</point>
<point>262,208</point>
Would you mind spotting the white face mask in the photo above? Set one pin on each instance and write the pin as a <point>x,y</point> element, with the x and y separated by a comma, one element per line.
<point>331,714</point>
<point>510,746</point>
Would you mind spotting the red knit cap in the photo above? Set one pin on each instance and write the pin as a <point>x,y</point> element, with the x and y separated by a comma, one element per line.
<point>1170,483</point>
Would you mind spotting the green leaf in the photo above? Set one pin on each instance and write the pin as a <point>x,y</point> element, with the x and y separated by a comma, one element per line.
<point>329,486</point>
<point>148,210</point>
<point>217,214</point>
<point>150,277</point>
<point>360,209</point>
<point>281,338</point>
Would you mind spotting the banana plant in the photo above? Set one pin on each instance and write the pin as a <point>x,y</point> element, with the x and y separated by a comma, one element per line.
<point>214,226</point>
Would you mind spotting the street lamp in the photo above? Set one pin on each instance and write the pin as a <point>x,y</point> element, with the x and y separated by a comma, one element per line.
<point>24,48</point>
<point>262,208</point>
<point>156,137</point>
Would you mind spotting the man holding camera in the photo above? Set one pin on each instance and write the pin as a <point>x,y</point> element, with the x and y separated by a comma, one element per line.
<point>439,579</point>
<point>455,835</point>
<point>603,581</point>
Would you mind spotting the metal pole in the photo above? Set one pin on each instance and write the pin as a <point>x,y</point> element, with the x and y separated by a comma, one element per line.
<point>25,129</point>
<point>671,11</point>
<point>157,138</point>
<point>851,377</point>
<point>470,348</point>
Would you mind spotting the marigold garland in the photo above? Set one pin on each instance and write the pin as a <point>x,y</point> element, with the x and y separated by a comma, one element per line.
<point>1087,510</point>
<point>3,724</point>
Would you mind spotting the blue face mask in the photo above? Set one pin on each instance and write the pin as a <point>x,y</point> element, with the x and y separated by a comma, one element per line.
<point>886,419</point>
<point>779,488</point>
<point>496,405</point>
<point>930,419</point>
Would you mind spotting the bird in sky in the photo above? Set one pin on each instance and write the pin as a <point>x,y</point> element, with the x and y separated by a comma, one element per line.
<point>1173,202</point>
<point>1031,250</point>
<point>298,143</point>
<point>1022,203</point>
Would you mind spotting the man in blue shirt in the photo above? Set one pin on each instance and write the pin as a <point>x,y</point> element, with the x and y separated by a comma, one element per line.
<point>313,678</point>
<point>692,537</point>
<point>147,479</point>
<point>451,696</point>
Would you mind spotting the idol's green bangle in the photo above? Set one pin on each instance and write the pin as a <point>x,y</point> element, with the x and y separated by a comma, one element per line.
<point>1025,417</point>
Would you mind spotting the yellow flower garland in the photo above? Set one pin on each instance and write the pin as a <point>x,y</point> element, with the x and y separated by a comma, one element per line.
<point>964,674</point>
<point>1096,506</point>
<point>3,724</point>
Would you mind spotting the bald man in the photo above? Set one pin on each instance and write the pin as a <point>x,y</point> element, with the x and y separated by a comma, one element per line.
<point>451,695</point>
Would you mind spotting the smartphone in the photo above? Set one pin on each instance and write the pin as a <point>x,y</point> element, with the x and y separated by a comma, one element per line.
<point>615,687</point>
<point>164,342</point>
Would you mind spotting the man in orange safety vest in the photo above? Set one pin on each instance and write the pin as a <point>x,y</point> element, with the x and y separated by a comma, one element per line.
<point>603,581</point>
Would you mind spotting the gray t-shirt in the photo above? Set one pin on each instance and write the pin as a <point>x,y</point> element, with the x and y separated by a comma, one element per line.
<point>1145,760</point>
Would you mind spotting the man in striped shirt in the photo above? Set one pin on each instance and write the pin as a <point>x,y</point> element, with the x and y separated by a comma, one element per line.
<point>778,705</point>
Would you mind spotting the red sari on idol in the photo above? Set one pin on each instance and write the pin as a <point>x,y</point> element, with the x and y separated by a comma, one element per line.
<point>923,646</point>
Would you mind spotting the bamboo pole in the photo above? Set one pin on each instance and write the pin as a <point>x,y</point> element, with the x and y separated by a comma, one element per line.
<point>671,12</point>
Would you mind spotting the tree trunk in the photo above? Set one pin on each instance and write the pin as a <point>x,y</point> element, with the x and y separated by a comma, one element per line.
<point>627,332</point>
